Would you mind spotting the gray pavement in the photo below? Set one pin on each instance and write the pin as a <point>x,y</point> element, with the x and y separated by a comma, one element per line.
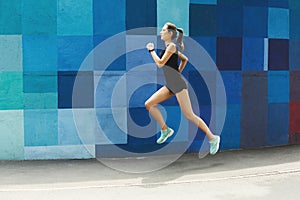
<point>267,173</point>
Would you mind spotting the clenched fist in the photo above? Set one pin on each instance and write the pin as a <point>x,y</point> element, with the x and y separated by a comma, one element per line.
<point>150,46</point>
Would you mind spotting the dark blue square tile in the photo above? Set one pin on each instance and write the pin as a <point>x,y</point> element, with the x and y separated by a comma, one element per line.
<point>203,20</point>
<point>229,53</point>
<point>278,54</point>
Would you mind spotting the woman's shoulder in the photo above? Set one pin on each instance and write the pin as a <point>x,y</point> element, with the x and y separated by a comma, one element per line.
<point>172,47</point>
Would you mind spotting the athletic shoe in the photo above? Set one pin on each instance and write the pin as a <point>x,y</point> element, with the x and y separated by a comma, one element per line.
<point>165,135</point>
<point>214,145</point>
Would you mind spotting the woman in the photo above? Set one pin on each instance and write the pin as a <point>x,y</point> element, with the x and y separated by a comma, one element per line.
<point>175,85</point>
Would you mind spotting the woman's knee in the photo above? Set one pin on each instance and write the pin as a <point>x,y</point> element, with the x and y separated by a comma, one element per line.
<point>148,105</point>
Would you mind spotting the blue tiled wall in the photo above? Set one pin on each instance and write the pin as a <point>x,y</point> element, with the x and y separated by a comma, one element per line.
<point>254,43</point>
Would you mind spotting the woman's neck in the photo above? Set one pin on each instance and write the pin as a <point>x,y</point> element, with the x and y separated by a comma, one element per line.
<point>168,42</point>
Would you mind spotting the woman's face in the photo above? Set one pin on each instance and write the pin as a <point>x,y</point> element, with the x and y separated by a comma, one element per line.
<point>165,34</point>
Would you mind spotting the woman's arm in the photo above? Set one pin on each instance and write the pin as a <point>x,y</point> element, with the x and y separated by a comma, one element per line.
<point>183,61</point>
<point>160,62</point>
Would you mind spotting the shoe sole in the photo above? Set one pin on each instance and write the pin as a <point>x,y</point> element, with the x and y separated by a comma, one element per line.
<point>169,135</point>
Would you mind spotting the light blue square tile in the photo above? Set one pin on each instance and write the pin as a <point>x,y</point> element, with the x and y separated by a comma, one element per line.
<point>67,131</point>
<point>11,53</point>
<point>40,127</point>
<point>110,89</point>
<point>174,11</point>
<point>59,152</point>
<point>278,23</point>
<point>112,125</point>
<point>11,135</point>
<point>75,17</point>
<point>83,120</point>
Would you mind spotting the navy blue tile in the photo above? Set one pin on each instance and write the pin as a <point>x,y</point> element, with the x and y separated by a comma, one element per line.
<point>230,136</point>
<point>203,20</point>
<point>233,86</point>
<point>140,96</point>
<point>209,44</point>
<point>140,14</point>
<point>260,3</point>
<point>279,4</point>
<point>199,86</point>
<point>253,54</point>
<point>205,115</point>
<point>229,53</point>
<point>278,124</point>
<point>278,54</point>
<point>233,3</point>
<point>255,22</point>
<point>254,109</point>
<point>83,94</point>
<point>229,21</point>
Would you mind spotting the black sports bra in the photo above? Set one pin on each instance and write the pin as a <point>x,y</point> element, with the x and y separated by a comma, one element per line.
<point>173,60</point>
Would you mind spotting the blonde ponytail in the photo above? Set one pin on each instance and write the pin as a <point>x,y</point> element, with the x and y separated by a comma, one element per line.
<point>180,38</point>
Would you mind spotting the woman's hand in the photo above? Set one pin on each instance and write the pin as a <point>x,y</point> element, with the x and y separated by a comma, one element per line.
<point>150,46</point>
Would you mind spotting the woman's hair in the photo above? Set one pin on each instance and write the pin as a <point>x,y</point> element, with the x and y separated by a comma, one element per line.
<point>172,28</point>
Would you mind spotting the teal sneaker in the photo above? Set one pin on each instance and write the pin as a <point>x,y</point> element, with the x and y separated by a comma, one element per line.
<point>164,135</point>
<point>214,145</point>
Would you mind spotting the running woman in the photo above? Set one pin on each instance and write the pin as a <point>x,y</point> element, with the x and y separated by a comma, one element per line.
<point>175,85</point>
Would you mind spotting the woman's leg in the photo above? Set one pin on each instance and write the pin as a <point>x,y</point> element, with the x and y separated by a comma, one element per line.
<point>159,96</point>
<point>185,105</point>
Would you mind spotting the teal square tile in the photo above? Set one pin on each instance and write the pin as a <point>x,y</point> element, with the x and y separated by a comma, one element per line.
<point>39,82</point>
<point>11,135</point>
<point>11,53</point>
<point>278,23</point>
<point>41,127</point>
<point>40,101</point>
<point>177,13</point>
<point>11,17</point>
<point>11,93</point>
<point>75,17</point>
<point>39,17</point>
<point>294,4</point>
